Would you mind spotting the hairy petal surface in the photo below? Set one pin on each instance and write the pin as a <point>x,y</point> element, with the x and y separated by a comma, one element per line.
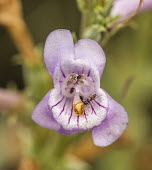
<point>59,46</point>
<point>42,115</point>
<point>90,51</point>
<point>124,8</point>
<point>113,125</point>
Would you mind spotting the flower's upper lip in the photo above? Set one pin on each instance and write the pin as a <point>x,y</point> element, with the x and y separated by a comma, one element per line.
<point>59,47</point>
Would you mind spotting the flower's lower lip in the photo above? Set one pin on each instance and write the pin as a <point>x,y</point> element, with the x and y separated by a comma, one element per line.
<point>89,113</point>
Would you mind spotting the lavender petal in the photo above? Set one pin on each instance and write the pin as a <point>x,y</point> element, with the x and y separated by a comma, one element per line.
<point>90,51</point>
<point>69,132</point>
<point>125,8</point>
<point>59,46</point>
<point>42,115</point>
<point>112,127</point>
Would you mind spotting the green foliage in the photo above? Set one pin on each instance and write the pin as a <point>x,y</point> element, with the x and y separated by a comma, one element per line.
<point>96,19</point>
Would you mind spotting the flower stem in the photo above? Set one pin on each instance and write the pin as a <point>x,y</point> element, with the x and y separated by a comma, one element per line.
<point>85,17</point>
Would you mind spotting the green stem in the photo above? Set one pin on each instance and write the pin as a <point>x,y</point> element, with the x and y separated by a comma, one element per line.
<point>85,17</point>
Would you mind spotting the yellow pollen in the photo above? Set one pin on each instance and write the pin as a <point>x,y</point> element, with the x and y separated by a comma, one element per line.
<point>78,108</point>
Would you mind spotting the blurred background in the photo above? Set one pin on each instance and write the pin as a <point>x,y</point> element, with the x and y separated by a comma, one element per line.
<point>24,26</point>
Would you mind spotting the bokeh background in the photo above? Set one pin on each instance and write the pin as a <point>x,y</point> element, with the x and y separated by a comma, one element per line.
<point>24,26</point>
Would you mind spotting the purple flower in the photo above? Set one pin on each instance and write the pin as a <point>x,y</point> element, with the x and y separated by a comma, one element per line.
<point>77,103</point>
<point>125,8</point>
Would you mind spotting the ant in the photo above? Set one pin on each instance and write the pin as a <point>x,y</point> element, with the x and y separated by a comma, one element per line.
<point>88,100</point>
<point>75,79</point>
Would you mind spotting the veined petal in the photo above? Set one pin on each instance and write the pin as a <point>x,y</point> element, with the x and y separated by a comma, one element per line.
<point>42,114</point>
<point>90,51</point>
<point>124,8</point>
<point>113,125</point>
<point>64,112</point>
<point>59,45</point>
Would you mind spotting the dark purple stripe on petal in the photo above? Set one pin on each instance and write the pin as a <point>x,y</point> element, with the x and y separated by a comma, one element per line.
<point>70,115</point>
<point>78,121</point>
<point>92,108</point>
<point>100,105</point>
<point>68,103</point>
<point>63,108</point>
<point>62,72</point>
<point>57,103</point>
<point>85,116</point>
<point>89,73</point>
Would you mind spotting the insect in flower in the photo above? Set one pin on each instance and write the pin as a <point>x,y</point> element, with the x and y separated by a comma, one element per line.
<point>77,103</point>
<point>73,78</point>
<point>79,77</point>
<point>88,100</point>
<point>79,106</point>
<point>72,90</point>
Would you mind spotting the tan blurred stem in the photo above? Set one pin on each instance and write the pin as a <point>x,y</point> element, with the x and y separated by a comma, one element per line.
<point>136,12</point>
<point>28,164</point>
<point>85,149</point>
<point>11,100</point>
<point>11,17</point>
<point>23,41</point>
